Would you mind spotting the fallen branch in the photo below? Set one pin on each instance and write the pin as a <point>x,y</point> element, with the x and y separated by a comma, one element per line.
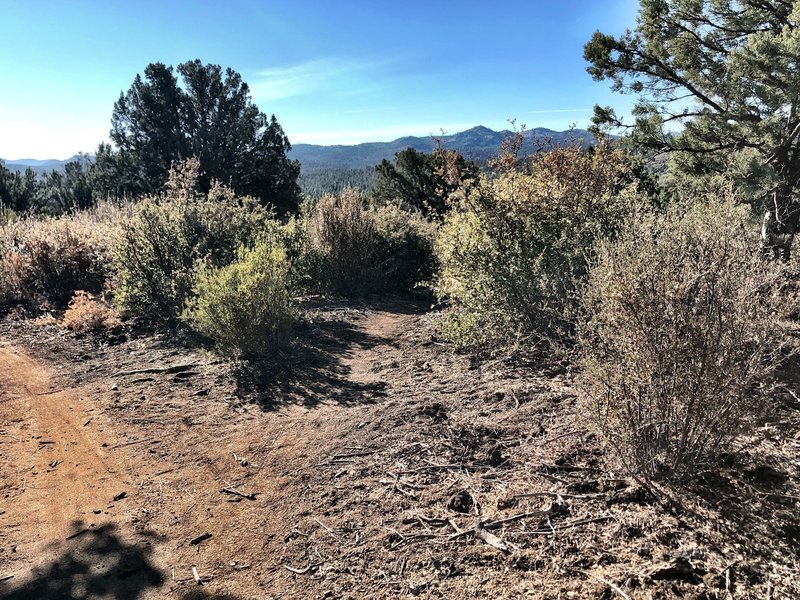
<point>526,515</point>
<point>564,526</point>
<point>438,468</point>
<point>234,492</point>
<point>559,494</point>
<point>6,577</point>
<point>304,570</point>
<point>200,538</point>
<point>134,443</point>
<point>352,454</point>
<point>78,533</point>
<point>558,437</point>
<point>491,538</point>
<point>46,393</point>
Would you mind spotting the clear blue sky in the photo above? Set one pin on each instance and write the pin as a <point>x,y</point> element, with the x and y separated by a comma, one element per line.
<point>331,71</point>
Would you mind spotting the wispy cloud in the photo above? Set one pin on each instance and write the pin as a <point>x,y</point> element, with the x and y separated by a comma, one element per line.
<point>327,74</point>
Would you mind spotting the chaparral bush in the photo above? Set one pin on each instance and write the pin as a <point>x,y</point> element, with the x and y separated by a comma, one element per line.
<point>246,305</point>
<point>44,261</point>
<point>681,335</point>
<point>169,236</point>
<point>356,249</point>
<point>514,248</point>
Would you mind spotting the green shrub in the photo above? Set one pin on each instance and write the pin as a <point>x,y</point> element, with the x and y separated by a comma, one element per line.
<point>681,336</point>
<point>404,254</point>
<point>355,249</point>
<point>513,251</point>
<point>44,262</point>
<point>167,238</point>
<point>246,305</point>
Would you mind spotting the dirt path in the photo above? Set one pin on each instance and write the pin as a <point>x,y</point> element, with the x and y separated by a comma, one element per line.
<point>66,454</point>
<point>363,460</point>
<point>60,471</point>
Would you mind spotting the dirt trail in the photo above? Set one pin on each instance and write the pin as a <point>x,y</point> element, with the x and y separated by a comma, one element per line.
<point>65,454</point>
<point>59,474</point>
<point>384,327</point>
<point>366,453</point>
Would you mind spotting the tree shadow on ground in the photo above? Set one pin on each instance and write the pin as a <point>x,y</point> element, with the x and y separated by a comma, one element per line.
<point>94,563</point>
<point>313,368</point>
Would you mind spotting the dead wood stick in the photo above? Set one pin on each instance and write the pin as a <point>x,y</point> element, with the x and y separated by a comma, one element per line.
<point>610,584</point>
<point>172,369</point>
<point>134,443</point>
<point>78,534</point>
<point>196,576</point>
<point>325,527</point>
<point>437,468</point>
<point>304,570</point>
<point>553,478</point>
<point>454,526</point>
<point>567,468</point>
<point>352,454</point>
<point>6,577</point>
<point>200,538</point>
<point>235,492</point>
<point>46,393</point>
<point>558,437</point>
<point>559,494</point>
<point>525,515</point>
<point>566,526</point>
<point>491,538</point>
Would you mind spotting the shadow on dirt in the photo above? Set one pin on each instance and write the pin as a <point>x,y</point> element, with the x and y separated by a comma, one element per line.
<point>311,369</point>
<point>314,368</point>
<point>95,563</point>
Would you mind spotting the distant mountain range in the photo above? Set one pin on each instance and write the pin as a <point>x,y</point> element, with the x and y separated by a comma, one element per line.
<point>40,166</point>
<point>479,144</point>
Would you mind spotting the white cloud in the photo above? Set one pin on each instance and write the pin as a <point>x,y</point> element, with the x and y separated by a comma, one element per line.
<point>309,77</point>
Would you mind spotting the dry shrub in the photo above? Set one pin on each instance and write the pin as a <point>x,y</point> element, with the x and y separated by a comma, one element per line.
<point>86,313</point>
<point>356,249</point>
<point>681,337</point>
<point>168,237</point>
<point>43,262</point>
<point>514,248</point>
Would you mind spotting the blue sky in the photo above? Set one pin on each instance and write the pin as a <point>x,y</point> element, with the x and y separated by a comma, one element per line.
<point>331,71</point>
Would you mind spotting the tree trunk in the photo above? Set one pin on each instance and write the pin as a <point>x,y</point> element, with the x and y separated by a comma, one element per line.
<point>779,225</point>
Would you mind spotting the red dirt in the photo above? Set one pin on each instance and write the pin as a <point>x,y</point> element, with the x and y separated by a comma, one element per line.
<point>372,451</point>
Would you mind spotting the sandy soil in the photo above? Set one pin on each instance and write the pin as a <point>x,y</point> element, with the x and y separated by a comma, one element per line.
<point>367,460</point>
